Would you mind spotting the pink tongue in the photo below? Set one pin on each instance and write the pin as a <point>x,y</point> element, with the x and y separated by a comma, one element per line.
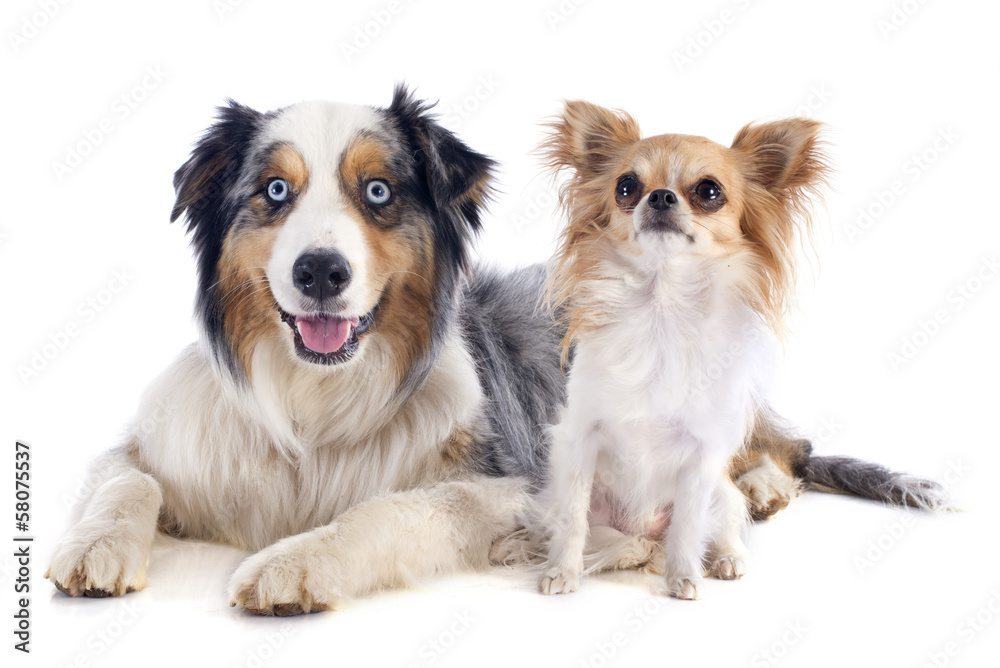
<point>324,334</point>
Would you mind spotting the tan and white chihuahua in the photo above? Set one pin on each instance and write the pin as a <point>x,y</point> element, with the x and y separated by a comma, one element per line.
<point>674,274</point>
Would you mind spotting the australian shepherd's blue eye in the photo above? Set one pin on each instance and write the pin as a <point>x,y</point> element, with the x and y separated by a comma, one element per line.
<point>277,190</point>
<point>377,192</point>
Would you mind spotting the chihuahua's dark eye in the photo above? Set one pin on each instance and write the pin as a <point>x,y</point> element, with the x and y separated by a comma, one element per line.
<point>627,187</point>
<point>708,189</point>
<point>628,191</point>
<point>707,195</point>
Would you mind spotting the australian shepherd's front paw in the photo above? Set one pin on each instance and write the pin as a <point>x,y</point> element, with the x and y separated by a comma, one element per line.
<point>288,578</point>
<point>558,581</point>
<point>97,563</point>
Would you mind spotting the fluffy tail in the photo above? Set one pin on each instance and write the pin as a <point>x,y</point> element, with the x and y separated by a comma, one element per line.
<point>773,437</point>
<point>846,475</point>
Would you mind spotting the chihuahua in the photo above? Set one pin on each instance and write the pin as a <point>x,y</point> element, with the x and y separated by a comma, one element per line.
<point>674,274</point>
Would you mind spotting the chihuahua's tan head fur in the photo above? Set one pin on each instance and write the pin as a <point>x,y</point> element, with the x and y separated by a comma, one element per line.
<point>749,202</point>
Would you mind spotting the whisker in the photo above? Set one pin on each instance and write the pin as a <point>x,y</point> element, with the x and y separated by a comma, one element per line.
<point>401,271</point>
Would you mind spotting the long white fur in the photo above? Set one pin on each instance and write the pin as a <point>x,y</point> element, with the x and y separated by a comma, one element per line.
<point>215,465</point>
<point>213,460</point>
<point>658,404</point>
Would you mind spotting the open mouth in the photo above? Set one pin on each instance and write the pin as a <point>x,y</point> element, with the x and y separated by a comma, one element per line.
<point>322,338</point>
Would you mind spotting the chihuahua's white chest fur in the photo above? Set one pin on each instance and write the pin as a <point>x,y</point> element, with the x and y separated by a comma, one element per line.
<point>677,351</point>
<point>660,398</point>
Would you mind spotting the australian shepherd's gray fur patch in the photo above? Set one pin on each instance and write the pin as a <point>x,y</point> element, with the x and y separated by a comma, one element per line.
<point>363,407</point>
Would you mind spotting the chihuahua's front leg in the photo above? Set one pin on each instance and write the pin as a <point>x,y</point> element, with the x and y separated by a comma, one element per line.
<point>566,500</point>
<point>692,523</point>
<point>727,553</point>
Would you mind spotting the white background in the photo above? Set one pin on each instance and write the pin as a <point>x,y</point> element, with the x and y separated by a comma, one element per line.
<point>833,581</point>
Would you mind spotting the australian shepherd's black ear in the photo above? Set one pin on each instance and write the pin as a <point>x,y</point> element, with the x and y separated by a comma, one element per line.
<point>203,183</point>
<point>458,179</point>
<point>204,187</point>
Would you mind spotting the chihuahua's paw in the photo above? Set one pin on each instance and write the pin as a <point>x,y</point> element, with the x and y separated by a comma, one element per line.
<point>291,577</point>
<point>558,581</point>
<point>97,564</point>
<point>728,568</point>
<point>683,588</point>
<point>767,489</point>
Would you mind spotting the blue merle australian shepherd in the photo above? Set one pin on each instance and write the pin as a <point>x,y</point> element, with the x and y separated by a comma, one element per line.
<point>364,406</point>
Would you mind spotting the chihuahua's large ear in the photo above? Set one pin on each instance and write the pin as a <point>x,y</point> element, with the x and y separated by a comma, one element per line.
<point>459,180</point>
<point>587,138</point>
<point>785,166</point>
<point>784,157</point>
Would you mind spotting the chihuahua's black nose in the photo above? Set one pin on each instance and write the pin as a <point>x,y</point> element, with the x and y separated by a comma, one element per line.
<point>662,199</point>
<point>321,274</point>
